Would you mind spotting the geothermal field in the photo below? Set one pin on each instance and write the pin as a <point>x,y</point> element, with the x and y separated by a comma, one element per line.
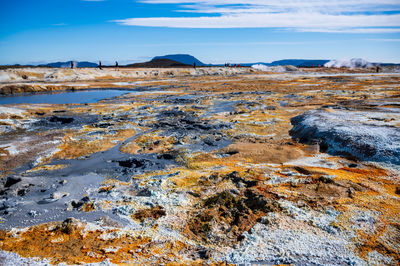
<point>213,165</point>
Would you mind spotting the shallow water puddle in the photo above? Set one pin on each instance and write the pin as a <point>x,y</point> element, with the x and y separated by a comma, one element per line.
<point>87,96</point>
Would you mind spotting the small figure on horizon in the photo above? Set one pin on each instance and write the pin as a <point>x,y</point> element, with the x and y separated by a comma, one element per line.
<point>378,69</point>
<point>194,65</point>
<point>116,65</point>
<point>72,64</point>
<point>100,65</point>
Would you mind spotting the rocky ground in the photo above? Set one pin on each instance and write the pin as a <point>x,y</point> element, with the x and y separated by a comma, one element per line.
<point>215,166</point>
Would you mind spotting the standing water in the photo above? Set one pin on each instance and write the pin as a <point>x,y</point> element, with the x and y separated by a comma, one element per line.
<point>88,96</point>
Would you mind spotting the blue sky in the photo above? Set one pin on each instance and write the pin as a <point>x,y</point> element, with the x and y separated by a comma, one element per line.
<point>215,31</point>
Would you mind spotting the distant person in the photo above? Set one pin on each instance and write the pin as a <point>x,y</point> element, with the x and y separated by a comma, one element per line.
<point>194,65</point>
<point>72,65</point>
<point>378,69</point>
<point>116,65</point>
<point>100,65</point>
<point>239,65</point>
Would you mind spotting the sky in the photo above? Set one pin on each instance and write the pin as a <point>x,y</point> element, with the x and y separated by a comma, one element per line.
<point>214,31</point>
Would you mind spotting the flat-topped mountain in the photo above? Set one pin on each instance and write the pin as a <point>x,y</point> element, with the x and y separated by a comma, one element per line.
<point>161,62</point>
<point>182,58</point>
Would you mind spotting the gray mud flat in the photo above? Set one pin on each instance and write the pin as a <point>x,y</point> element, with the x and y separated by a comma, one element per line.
<point>359,134</point>
<point>30,198</point>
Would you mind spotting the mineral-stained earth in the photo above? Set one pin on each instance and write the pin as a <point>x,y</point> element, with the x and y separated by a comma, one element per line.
<point>206,166</point>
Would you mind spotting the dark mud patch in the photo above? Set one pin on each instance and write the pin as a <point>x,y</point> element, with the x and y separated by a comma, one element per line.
<point>155,213</point>
<point>192,132</point>
<point>60,122</point>
<point>225,216</point>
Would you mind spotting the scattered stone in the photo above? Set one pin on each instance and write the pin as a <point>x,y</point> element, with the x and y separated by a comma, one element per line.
<point>32,213</point>
<point>59,195</point>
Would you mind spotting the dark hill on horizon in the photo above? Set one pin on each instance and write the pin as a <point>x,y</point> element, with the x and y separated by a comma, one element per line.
<point>159,63</point>
<point>182,58</point>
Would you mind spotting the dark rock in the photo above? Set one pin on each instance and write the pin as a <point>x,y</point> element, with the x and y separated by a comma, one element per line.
<point>77,204</point>
<point>85,199</point>
<point>166,156</point>
<point>194,194</point>
<point>144,193</point>
<point>21,192</point>
<point>135,163</point>
<point>204,254</point>
<point>102,125</point>
<point>326,180</point>
<point>12,181</point>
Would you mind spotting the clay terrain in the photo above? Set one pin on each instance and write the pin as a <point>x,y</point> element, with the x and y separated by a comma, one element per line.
<point>201,166</point>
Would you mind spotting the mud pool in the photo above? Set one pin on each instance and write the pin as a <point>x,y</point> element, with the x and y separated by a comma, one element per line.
<point>248,168</point>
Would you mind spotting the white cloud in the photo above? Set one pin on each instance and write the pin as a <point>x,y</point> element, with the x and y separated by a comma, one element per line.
<point>385,40</point>
<point>350,30</point>
<point>302,20</point>
<point>357,16</point>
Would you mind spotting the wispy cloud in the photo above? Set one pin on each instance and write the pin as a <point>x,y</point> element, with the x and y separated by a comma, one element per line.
<point>356,16</point>
<point>385,40</point>
<point>350,30</point>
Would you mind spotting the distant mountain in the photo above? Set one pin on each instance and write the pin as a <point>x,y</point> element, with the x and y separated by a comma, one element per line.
<point>160,62</point>
<point>68,64</point>
<point>293,62</point>
<point>299,62</point>
<point>182,58</point>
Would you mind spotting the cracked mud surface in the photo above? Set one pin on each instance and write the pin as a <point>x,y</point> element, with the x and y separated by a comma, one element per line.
<point>253,167</point>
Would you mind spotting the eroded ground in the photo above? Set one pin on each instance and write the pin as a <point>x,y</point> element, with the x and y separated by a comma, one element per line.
<point>299,168</point>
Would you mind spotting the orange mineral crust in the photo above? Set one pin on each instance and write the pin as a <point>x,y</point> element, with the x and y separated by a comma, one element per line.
<point>218,166</point>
